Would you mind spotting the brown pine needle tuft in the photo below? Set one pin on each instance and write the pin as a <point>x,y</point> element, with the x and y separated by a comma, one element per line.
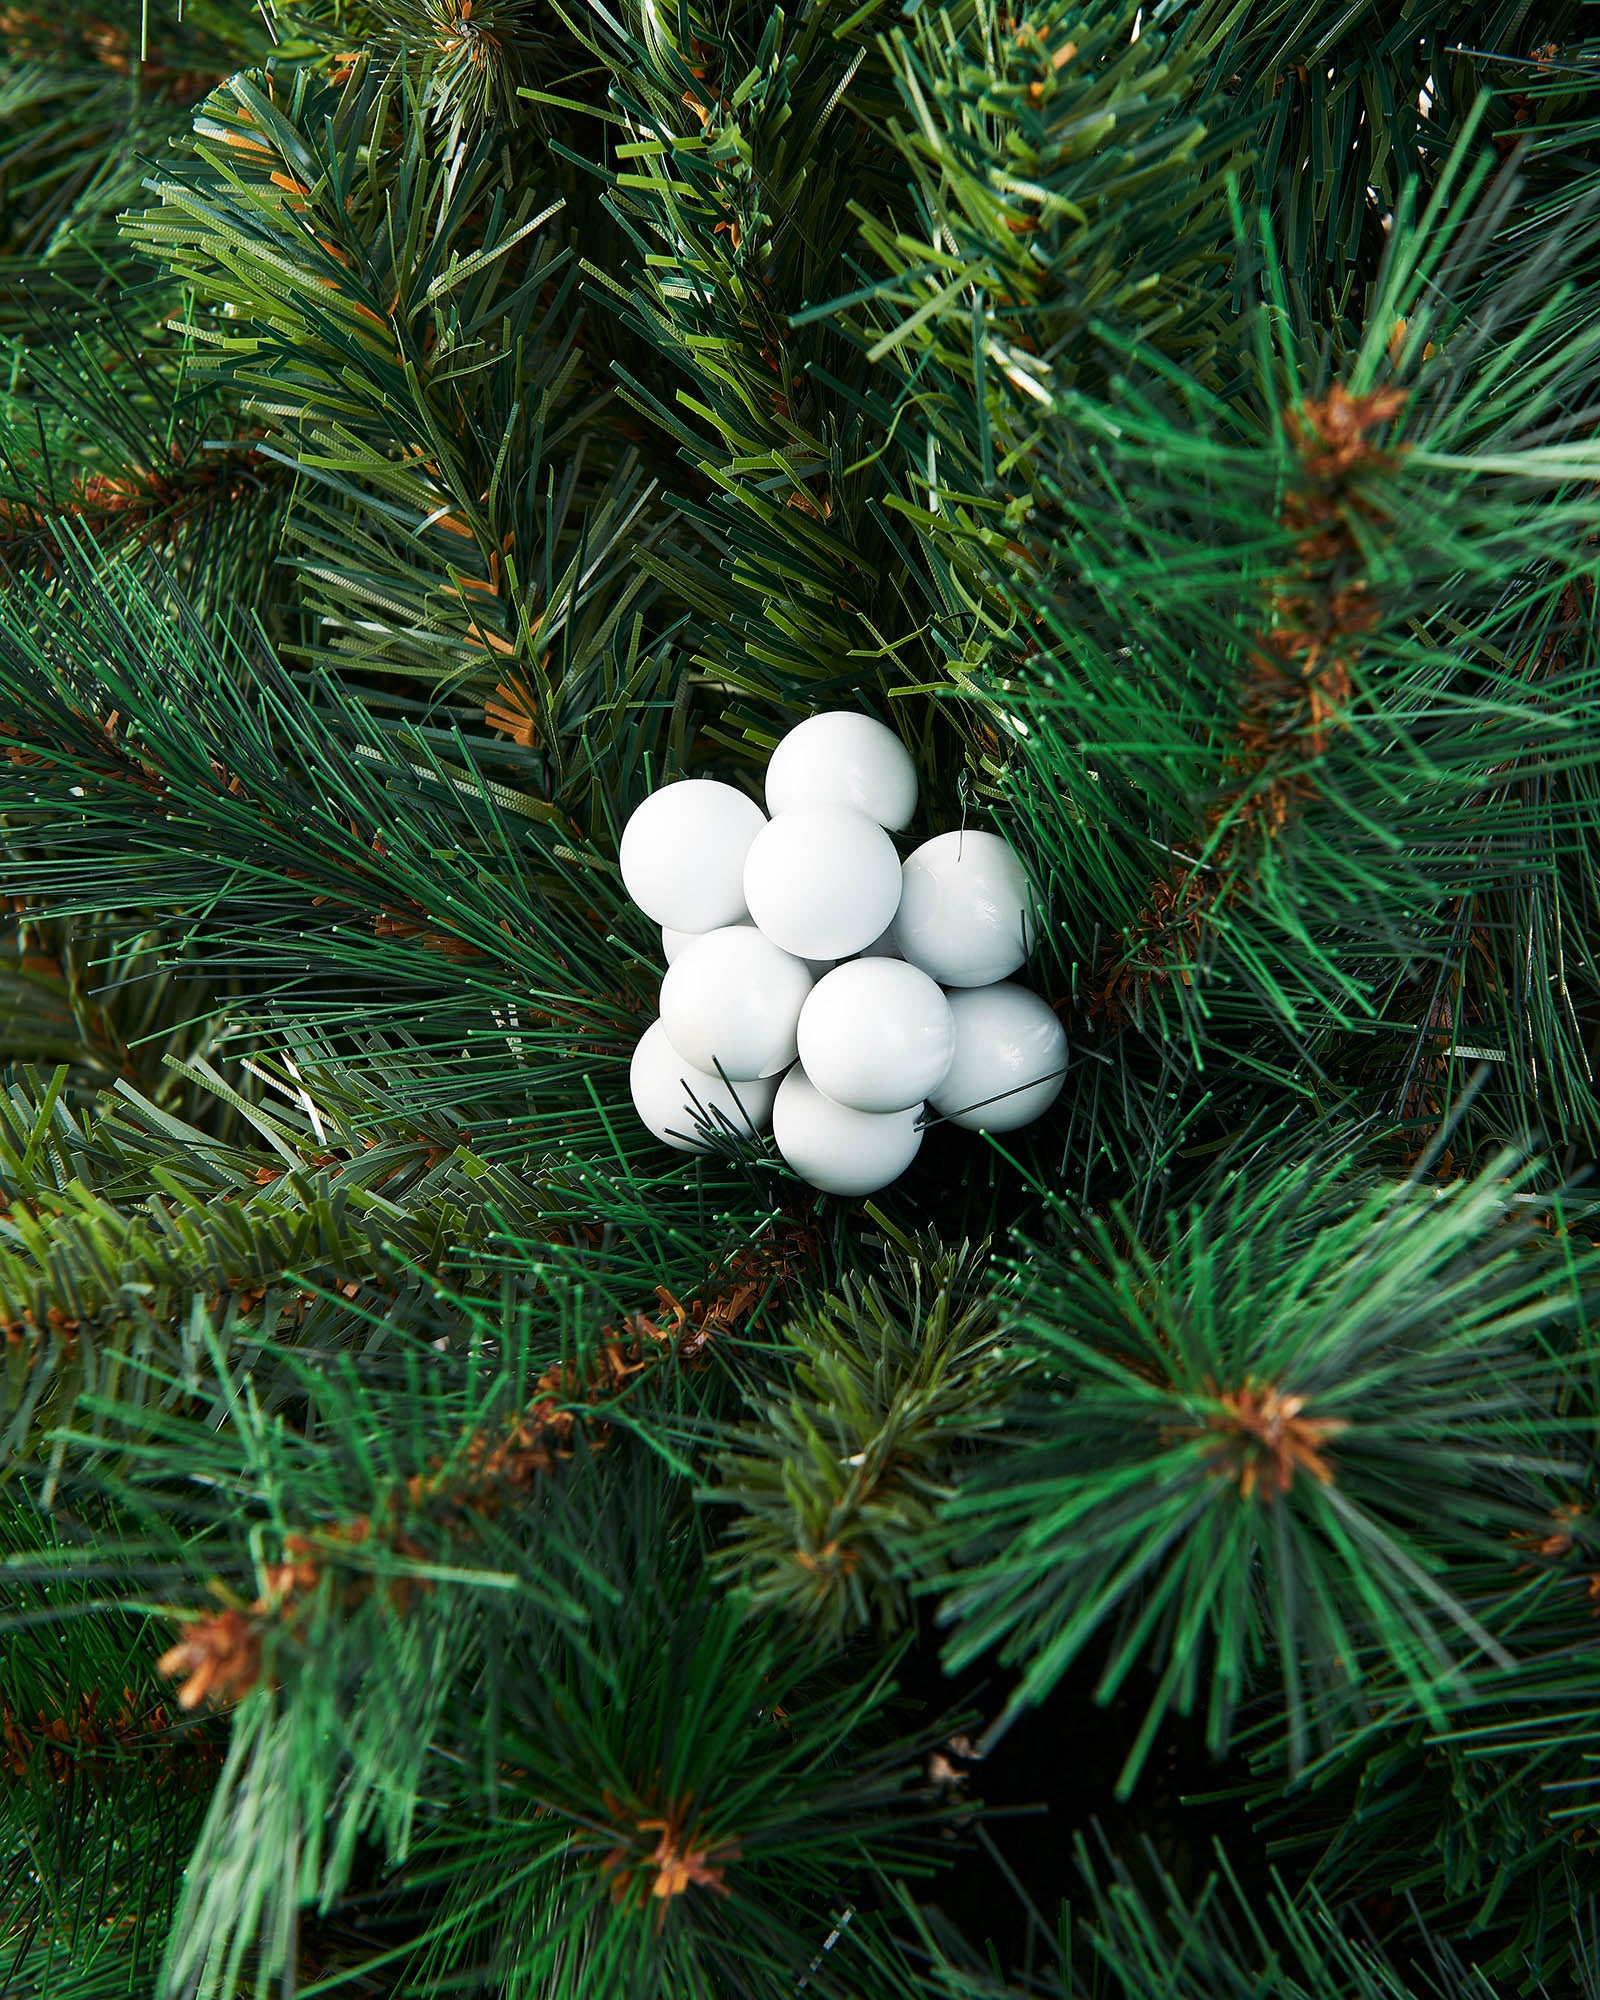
<point>219,1656</point>
<point>1258,1431</point>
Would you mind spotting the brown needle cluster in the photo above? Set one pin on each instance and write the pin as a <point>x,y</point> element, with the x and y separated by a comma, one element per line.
<point>642,1873</point>
<point>220,1655</point>
<point>1261,1438</point>
<point>756,1275</point>
<point>131,502</point>
<point>83,1736</point>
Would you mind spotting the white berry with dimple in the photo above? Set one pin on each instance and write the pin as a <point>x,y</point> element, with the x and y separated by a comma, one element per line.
<point>965,915</point>
<point>839,1150</point>
<point>688,1109</point>
<point>844,759</point>
<point>822,881</point>
<point>683,853</point>
<point>731,1000</point>
<point>1010,1059</point>
<point>877,1035</point>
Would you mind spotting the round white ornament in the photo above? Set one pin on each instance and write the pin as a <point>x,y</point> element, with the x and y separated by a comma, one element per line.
<point>839,1150</point>
<point>687,1109</point>
<point>844,759</point>
<point>965,915</point>
<point>732,998</point>
<point>683,853</point>
<point>822,881</point>
<point>877,1035</point>
<point>1010,1060</point>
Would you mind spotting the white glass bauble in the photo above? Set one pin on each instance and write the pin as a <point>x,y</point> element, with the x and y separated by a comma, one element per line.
<point>877,1035</point>
<point>1010,1059</point>
<point>683,853</point>
<point>688,1109</point>
<point>839,1150</point>
<point>822,881</point>
<point>844,759</point>
<point>965,915</point>
<point>732,998</point>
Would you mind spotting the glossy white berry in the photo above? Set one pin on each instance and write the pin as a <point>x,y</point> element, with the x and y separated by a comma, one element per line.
<point>844,759</point>
<point>686,1108</point>
<point>732,1000</point>
<point>683,853</point>
<point>1010,1059</point>
<point>877,1035</point>
<point>965,915</point>
<point>822,881</point>
<point>839,1150</point>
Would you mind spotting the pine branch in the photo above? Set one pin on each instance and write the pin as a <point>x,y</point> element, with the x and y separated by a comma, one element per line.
<point>1415,590</point>
<point>117,768</point>
<point>1482,1822</point>
<point>104,433</point>
<point>838,1481</point>
<point>1069,176</point>
<point>674,1798</point>
<point>1278,1436</point>
<point>472,62</point>
<point>689,1797</point>
<point>743,143</point>
<point>359,1216</point>
<point>1178,421</point>
<point>406,336</point>
<point>1350,103</point>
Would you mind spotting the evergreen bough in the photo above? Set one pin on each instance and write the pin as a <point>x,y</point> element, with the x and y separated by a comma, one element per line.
<point>451,1545</point>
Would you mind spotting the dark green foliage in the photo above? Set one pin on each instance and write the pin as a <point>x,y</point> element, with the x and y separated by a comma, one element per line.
<point>101,419</point>
<point>380,1570</point>
<point>112,1005</point>
<point>1399,848</point>
<point>80,105</point>
<point>672,1731</point>
<point>125,446</point>
<point>1488,1811</point>
<point>92,1746</point>
<point>426,426</point>
<point>306,782</point>
<point>1134,1940</point>
<point>1055,165</point>
<point>1269,1438</point>
<point>734,188</point>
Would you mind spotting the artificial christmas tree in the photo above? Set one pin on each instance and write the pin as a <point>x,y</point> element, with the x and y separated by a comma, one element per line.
<point>456,1543</point>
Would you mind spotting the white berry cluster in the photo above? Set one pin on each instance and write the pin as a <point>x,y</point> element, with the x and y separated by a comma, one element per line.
<point>803,934</point>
